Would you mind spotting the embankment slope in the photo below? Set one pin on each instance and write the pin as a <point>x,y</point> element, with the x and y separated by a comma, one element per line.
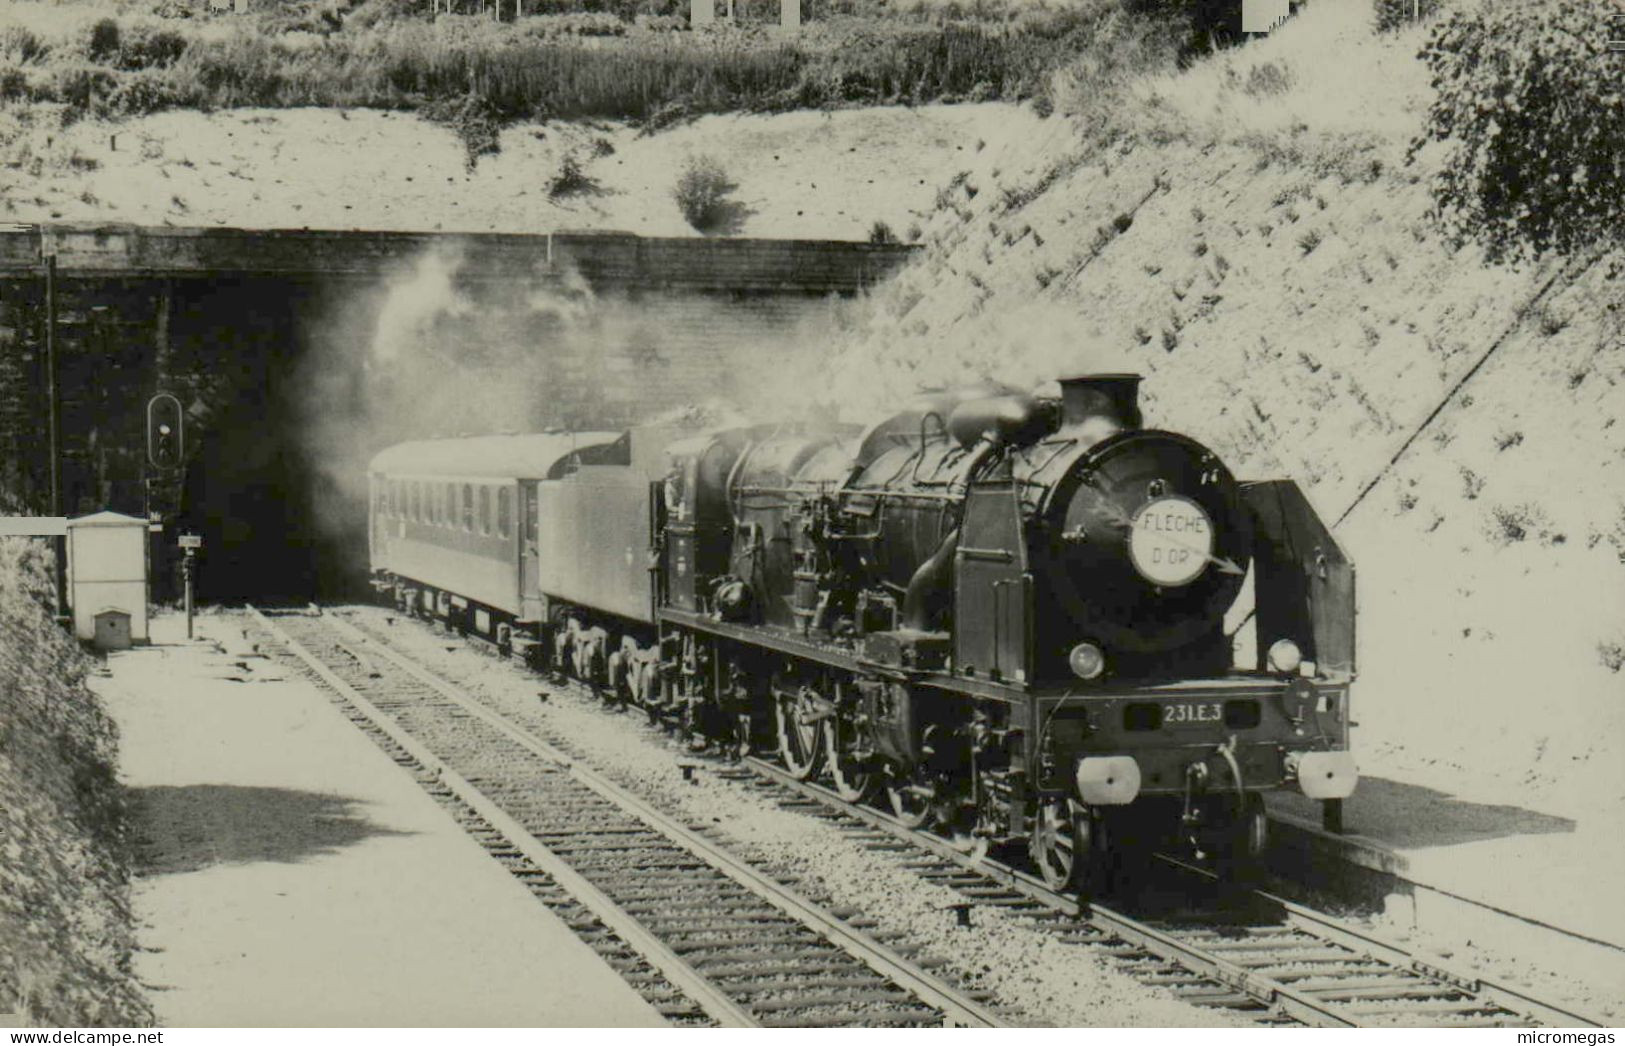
<point>1255,243</point>
<point>65,934</point>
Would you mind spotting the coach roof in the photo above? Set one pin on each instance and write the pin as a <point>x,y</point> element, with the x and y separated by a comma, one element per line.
<point>494,457</point>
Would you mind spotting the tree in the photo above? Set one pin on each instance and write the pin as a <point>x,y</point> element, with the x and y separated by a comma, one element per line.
<point>1531,107</point>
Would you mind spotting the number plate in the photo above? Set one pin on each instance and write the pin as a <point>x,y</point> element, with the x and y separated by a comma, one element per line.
<point>1192,713</point>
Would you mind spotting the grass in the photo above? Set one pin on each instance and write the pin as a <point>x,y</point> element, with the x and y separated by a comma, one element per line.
<point>578,66</point>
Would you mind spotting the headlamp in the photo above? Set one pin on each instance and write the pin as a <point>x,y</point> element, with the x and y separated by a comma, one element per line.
<point>1284,656</point>
<point>1087,661</point>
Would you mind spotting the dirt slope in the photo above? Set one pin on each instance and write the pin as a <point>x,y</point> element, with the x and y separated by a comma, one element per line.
<point>65,934</point>
<point>806,174</point>
<point>1259,249</point>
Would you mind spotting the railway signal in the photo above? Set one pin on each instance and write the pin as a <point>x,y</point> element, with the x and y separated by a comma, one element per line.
<point>166,430</point>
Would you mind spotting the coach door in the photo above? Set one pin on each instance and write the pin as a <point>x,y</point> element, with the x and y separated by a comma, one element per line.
<point>529,553</point>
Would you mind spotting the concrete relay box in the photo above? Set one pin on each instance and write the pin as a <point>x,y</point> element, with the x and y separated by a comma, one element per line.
<point>107,579</point>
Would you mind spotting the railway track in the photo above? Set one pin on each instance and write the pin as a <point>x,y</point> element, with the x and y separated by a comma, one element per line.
<point>706,936</point>
<point>1282,961</point>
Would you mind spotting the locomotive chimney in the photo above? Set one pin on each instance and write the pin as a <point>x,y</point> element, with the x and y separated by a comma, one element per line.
<point>1113,399</point>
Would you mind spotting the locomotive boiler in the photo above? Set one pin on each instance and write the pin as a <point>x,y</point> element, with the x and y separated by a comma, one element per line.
<point>1004,611</point>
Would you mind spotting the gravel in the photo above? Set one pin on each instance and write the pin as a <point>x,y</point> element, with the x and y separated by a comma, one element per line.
<point>1024,968</point>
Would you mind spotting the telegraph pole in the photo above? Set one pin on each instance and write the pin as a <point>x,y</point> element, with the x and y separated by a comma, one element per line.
<point>53,409</point>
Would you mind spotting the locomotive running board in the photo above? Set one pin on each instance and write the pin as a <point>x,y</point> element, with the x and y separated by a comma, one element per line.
<point>784,644</point>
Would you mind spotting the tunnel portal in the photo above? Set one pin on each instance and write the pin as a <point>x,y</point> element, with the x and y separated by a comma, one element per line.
<point>296,355</point>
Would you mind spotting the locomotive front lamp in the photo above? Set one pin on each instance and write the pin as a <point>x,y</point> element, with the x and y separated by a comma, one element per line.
<point>1284,656</point>
<point>1087,661</point>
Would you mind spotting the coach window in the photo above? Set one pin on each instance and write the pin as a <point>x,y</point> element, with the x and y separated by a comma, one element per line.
<point>416,509</point>
<point>468,507</point>
<point>505,511</point>
<point>449,519</point>
<point>394,497</point>
<point>485,510</point>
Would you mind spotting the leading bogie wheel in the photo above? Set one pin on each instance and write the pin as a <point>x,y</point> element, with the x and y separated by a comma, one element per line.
<point>1245,839</point>
<point>1070,847</point>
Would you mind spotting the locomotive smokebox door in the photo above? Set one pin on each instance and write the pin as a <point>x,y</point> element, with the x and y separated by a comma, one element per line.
<point>992,589</point>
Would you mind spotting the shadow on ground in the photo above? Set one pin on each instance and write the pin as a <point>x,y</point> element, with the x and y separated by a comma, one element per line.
<point>183,829</point>
<point>1409,816</point>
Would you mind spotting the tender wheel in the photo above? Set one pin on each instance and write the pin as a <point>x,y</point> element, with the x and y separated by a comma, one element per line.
<point>1069,846</point>
<point>912,800</point>
<point>801,742</point>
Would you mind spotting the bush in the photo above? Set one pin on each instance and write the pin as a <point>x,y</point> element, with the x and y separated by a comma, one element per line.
<point>13,85</point>
<point>570,180</point>
<point>1529,108</point>
<point>21,45</point>
<point>145,47</point>
<point>702,192</point>
<point>104,40</point>
<point>81,88</point>
<point>475,121</point>
<point>1391,14</point>
<point>1265,79</point>
<point>880,234</point>
<point>140,93</point>
<point>577,23</point>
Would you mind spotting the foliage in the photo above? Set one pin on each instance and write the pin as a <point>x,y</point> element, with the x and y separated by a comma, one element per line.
<point>22,45</point>
<point>880,234</point>
<point>104,40</point>
<point>571,179</point>
<point>476,123</point>
<point>702,193</point>
<point>575,23</point>
<point>1532,113</point>
<point>588,61</point>
<point>1392,14</point>
<point>1267,78</point>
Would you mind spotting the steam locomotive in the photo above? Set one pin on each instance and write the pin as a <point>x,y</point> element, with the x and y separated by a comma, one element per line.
<point>1004,611</point>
